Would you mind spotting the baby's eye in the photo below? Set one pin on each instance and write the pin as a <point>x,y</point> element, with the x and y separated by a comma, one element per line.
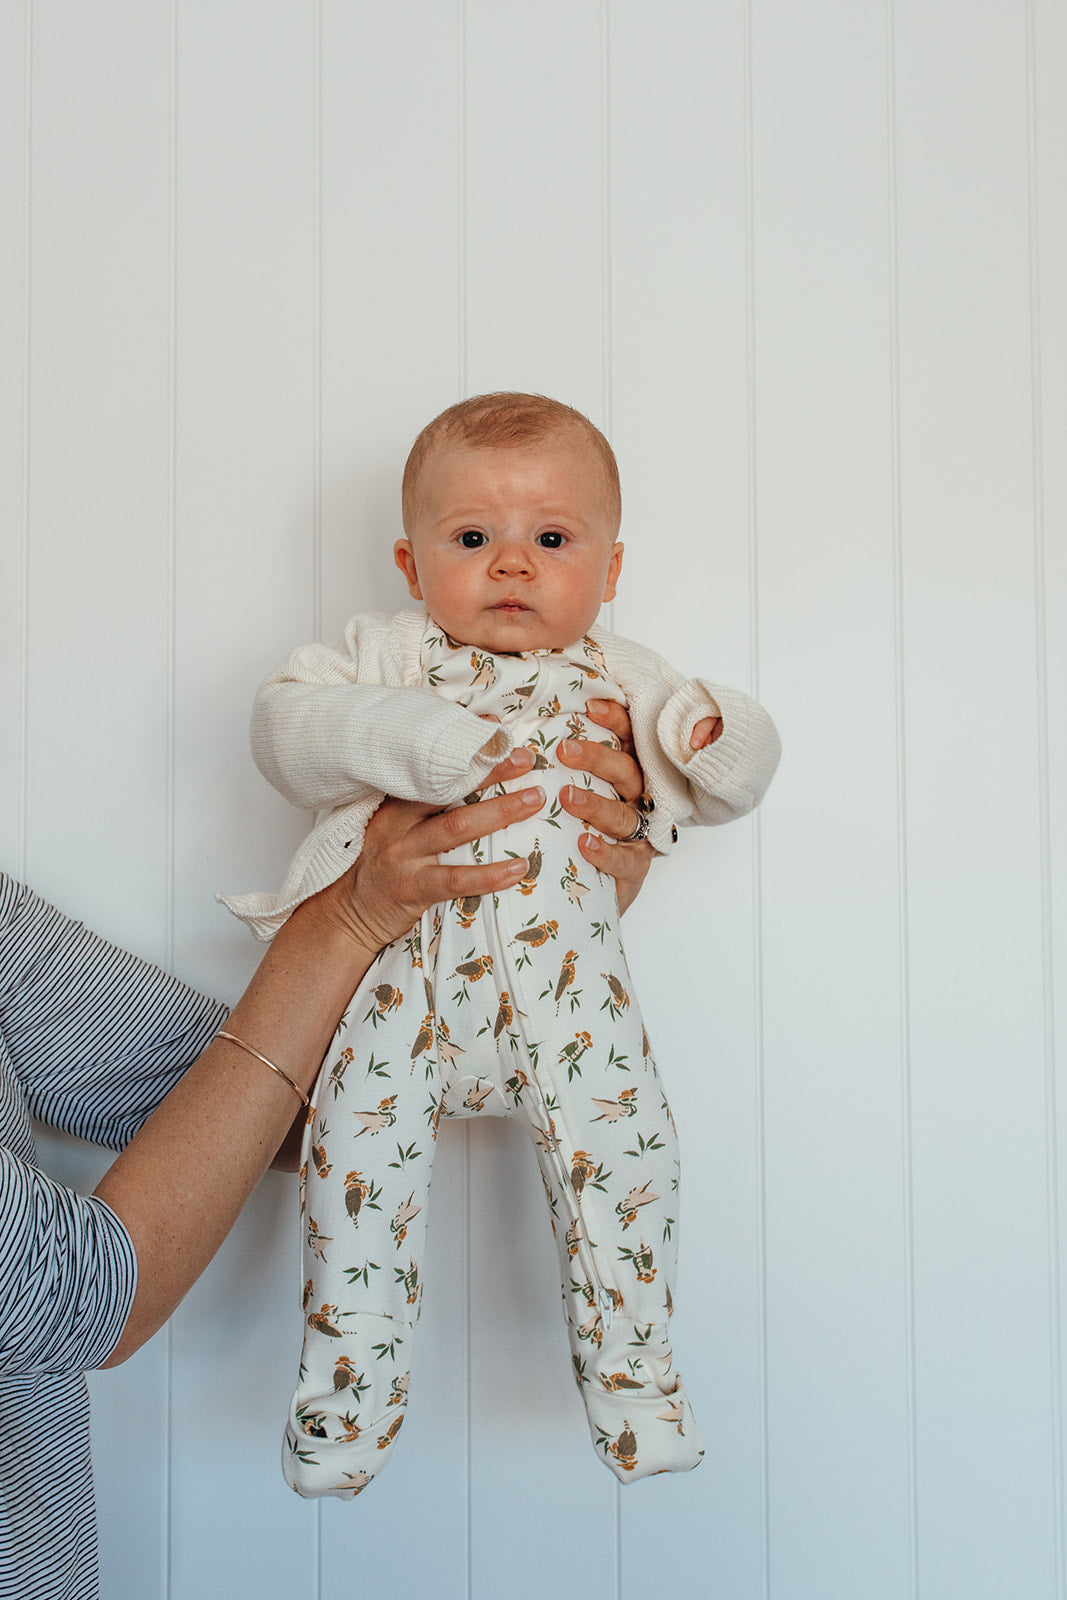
<point>471,539</point>
<point>551,540</point>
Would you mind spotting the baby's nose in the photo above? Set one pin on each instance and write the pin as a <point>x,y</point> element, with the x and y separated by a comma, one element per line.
<point>511,559</point>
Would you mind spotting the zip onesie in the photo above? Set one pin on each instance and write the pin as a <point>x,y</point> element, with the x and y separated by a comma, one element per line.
<point>516,1004</point>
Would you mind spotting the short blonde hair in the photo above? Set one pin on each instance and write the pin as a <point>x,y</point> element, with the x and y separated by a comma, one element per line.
<point>506,421</point>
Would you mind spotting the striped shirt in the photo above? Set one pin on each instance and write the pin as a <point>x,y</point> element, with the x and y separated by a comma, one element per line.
<point>91,1039</point>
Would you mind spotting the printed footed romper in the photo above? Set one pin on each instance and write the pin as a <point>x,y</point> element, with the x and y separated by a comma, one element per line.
<point>518,1004</point>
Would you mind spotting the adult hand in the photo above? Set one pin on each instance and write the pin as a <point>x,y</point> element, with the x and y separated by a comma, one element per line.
<point>628,864</point>
<point>398,875</point>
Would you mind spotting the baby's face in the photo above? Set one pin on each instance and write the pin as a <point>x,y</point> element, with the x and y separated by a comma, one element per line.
<point>513,549</point>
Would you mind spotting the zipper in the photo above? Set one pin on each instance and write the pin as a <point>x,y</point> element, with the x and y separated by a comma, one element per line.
<point>604,1300</point>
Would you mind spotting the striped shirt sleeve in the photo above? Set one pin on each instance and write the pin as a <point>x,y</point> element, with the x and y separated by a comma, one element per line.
<point>69,1274</point>
<point>95,1036</point>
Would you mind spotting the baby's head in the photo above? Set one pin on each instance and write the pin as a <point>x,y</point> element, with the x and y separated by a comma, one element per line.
<point>511,508</point>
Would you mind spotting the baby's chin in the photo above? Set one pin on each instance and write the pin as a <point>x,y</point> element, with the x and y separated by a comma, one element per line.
<point>509,633</point>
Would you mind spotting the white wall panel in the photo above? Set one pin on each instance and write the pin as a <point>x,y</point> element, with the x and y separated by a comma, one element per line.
<point>391,336</point>
<point>835,1159</point>
<point>533,199</point>
<point>974,861</point>
<point>807,264</point>
<point>1049,220</point>
<point>97,480</point>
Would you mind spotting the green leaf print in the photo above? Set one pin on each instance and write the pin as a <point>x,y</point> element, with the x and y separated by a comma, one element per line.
<point>412,1153</point>
<point>361,1274</point>
<point>645,1145</point>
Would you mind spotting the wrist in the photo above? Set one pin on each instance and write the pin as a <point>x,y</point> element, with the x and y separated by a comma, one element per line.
<point>325,927</point>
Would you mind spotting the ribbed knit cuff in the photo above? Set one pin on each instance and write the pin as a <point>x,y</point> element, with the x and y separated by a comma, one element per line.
<point>465,750</point>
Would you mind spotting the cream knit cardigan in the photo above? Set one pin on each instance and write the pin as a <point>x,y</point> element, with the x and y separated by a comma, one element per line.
<point>337,728</point>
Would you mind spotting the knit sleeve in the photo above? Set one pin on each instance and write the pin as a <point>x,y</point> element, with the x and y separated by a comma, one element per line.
<point>344,723</point>
<point>67,1275</point>
<point>729,778</point>
<point>95,1036</point>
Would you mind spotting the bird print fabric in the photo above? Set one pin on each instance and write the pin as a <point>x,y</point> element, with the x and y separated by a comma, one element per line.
<point>518,1004</point>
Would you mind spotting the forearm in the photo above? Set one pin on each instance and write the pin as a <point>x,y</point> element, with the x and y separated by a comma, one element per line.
<point>332,744</point>
<point>181,1182</point>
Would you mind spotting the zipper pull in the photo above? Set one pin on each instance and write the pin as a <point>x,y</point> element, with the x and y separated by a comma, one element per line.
<point>607,1309</point>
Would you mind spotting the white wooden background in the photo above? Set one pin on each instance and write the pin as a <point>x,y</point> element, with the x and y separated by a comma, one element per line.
<point>807,263</point>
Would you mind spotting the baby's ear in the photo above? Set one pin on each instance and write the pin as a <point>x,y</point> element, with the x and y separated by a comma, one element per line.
<point>404,556</point>
<point>614,568</point>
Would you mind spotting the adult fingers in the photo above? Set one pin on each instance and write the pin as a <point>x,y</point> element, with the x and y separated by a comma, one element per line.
<point>441,831</point>
<point>615,817</point>
<point>615,767</point>
<point>398,875</point>
<point>615,717</point>
<point>628,864</point>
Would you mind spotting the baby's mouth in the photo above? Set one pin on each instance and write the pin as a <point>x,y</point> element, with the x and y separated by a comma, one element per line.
<point>510,606</point>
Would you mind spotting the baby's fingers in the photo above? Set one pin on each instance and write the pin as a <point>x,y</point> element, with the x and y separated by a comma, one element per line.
<point>705,732</point>
<point>513,766</point>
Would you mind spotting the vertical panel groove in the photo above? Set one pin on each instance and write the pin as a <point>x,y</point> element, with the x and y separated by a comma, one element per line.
<point>607,411</point>
<point>24,531</point>
<point>606,224</point>
<point>461,188</point>
<point>316,317</point>
<point>607,361</point>
<point>896,481</point>
<point>462,380</point>
<point>317,560</point>
<point>317,450</point>
<point>1044,798</point>
<point>171,556</point>
<point>757,902</point>
<point>170,683</point>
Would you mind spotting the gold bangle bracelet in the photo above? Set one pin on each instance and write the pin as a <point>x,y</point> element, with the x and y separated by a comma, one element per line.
<point>294,1086</point>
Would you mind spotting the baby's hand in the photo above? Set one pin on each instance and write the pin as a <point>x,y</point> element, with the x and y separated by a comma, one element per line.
<point>706,732</point>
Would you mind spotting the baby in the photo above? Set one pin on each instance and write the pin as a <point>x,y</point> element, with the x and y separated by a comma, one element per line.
<point>517,1004</point>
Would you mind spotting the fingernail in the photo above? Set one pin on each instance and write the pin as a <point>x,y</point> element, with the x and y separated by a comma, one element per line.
<point>533,797</point>
<point>596,705</point>
<point>520,758</point>
<point>517,869</point>
<point>566,747</point>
